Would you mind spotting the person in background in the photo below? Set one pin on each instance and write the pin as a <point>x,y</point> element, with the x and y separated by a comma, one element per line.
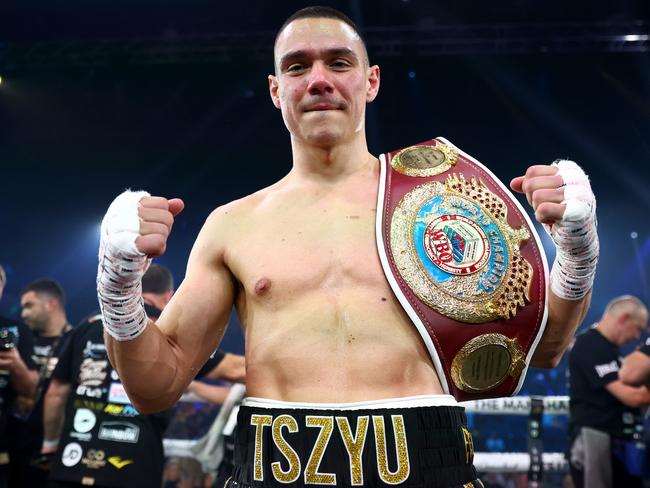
<point>93,435</point>
<point>605,428</point>
<point>18,375</point>
<point>43,311</point>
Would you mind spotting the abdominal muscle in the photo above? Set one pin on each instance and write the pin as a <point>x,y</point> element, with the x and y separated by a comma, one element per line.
<point>336,347</point>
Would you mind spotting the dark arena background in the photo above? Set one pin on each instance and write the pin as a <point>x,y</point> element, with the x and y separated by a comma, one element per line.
<point>172,96</point>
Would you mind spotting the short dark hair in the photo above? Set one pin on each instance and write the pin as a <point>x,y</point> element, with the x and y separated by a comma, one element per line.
<point>320,12</point>
<point>48,287</point>
<point>157,279</point>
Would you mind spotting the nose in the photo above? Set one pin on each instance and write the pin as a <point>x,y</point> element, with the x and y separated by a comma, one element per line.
<point>319,80</point>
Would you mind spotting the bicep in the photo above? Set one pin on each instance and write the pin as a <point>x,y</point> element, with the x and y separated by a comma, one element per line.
<point>196,317</point>
<point>564,318</point>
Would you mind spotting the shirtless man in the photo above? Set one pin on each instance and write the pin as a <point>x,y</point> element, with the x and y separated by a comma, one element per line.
<point>342,389</point>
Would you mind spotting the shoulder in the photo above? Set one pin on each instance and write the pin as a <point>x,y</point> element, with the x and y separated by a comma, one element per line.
<point>228,222</point>
<point>245,207</point>
<point>88,326</point>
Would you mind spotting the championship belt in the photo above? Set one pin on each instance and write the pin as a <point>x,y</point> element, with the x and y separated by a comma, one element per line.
<point>467,265</point>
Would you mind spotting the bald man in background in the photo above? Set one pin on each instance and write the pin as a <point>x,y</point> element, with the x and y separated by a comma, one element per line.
<point>605,427</point>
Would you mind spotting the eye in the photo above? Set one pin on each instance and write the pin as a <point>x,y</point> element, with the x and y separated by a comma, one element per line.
<point>340,64</point>
<point>294,68</point>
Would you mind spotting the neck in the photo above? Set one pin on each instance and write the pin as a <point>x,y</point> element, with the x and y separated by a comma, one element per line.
<point>55,326</point>
<point>329,162</point>
<point>607,331</point>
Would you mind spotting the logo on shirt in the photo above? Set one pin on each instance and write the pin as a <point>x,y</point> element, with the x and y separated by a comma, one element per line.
<point>94,350</point>
<point>121,410</point>
<point>95,459</point>
<point>117,394</point>
<point>119,432</point>
<point>71,454</point>
<point>84,421</point>
<point>83,390</point>
<point>89,404</point>
<point>604,369</point>
<point>118,462</point>
<point>92,372</point>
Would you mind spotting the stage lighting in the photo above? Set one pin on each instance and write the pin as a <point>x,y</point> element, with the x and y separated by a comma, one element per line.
<point>636,37</point>
<point>633,235</point>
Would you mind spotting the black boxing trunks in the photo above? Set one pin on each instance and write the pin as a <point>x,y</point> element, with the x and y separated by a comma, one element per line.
<point>414,442</point>
<point>466,264</point>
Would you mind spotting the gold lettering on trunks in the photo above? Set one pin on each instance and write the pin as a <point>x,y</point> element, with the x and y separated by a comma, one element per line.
<point>354,446</point>
<point>401,448</point>
<point>259,421</point>
<point>291,474</point>
<point>469,446</point>
<point>312,476</point>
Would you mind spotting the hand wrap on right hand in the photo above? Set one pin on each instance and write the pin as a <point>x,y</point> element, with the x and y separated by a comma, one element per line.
<point>121,267</point>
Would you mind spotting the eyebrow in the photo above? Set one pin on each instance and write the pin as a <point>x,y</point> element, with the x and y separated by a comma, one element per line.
<point>336,51</point>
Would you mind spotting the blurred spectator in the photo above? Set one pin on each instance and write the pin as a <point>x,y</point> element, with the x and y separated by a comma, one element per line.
<point>18,375</point>
<point>606,448</point>
<point>43,310</point>
<point>100,438</point>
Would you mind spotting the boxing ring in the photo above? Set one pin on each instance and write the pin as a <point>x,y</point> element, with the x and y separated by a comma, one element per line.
<point>534,462</point>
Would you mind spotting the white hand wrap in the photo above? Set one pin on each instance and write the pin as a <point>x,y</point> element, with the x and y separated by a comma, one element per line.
<point>121,267</point>
<point>575,236</point>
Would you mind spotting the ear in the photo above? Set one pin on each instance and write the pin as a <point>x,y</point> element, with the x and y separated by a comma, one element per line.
<point>274,90</point>
<point>623,318</point>
<point>51,303</point>
<point>373,83</point>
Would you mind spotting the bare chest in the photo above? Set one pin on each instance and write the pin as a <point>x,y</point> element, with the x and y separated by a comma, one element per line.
<point>327,247</point>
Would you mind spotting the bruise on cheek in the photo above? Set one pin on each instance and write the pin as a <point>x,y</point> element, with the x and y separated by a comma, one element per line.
<point>262,286</point>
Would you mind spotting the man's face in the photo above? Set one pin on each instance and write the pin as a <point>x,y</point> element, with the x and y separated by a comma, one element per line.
<point>322,81</point>
<point>635,324</point>
<point>35,310</point>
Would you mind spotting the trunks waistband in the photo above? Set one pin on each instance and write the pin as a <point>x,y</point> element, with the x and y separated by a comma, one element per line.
<point>402,402</point>
<point>363,444</point>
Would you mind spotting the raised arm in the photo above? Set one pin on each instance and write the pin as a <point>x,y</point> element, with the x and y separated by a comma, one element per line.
<point>563,201</point>
<point>157,361</point>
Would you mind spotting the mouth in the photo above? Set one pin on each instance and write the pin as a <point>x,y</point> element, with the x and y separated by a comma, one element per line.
<point>322,107</point>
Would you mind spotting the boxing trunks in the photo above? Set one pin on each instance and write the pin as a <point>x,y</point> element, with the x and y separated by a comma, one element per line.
<point>466,264</point>
<point>406,442</point>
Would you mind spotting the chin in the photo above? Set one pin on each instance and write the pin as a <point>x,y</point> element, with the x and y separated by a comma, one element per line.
<point>324,140</point>
<point>324,136</point>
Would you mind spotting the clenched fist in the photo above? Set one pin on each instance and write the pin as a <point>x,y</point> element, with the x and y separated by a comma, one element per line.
<point>156,216</point>
<point>544,190</point>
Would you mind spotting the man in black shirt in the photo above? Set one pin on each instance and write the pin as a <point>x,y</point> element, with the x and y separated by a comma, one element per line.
<point>18,375</point>
<point>43,310</point>
<point>101,439</point>
<point>605,426</point>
